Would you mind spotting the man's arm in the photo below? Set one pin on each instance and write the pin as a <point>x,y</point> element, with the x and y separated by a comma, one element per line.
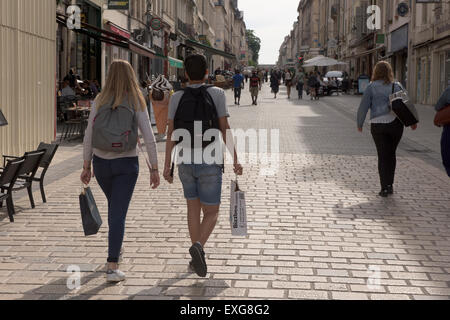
<point>169,148</point>
<point>224,128</point>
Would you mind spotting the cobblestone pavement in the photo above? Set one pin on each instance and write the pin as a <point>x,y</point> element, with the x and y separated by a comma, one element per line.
<point>317,229</point>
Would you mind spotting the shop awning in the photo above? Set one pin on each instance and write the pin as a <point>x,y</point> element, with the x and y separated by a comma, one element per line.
<point>109,37</point>
<point>141,50</point>
<point>176,63</point>
<point>210,49</point>
<point>365,52</point>
<point>96,33</point>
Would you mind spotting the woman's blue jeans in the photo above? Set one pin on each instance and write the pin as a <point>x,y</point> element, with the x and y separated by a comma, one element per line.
<point>117,178</point>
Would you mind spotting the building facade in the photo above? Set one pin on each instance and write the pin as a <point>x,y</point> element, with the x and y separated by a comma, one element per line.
<point>414,37</point>
<point>27,79</point>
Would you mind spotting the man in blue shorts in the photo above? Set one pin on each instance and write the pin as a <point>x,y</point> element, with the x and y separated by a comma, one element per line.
<point>204,107</point>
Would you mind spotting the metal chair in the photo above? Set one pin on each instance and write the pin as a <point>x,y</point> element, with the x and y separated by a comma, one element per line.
<point>50,151</point>
<point>26,174</point>
<point>8,177</point>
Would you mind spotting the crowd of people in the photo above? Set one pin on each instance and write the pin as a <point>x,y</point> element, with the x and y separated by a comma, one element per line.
<point>116,164</point>
<point>72,85</point>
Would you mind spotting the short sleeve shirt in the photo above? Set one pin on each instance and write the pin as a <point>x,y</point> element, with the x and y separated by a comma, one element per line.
<point>237,80</point>
<point>217,95</point>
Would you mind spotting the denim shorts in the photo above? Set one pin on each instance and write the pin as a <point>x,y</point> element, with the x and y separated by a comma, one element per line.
<point>201,181</point>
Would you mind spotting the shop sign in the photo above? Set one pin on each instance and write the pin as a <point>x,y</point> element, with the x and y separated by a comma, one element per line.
<point>119,4</point>
<point>120,32</point>
<point>380,39</point>
<point>156,24</point>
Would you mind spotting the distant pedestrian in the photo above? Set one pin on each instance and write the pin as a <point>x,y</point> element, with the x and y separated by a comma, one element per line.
<point>201,177</point>
<point>261,78</point>
<point>443,102</point>
<point>255,83</point>
<point>386,128</point>
<point>117,171</point>
<point>300,79</point>
<point>319,83</point>
<point>275,83</point>
<point>288,81</point>
<point>238,85</point>
<point>246,77</point>
<point>312,85</point>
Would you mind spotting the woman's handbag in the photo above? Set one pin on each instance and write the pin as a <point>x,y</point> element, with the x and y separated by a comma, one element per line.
<point>442,117</point>
<point>92,221</point>
<point>402,107</point>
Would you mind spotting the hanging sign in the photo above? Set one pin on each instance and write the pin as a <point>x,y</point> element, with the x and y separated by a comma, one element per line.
<point>156,24</point>
<point>119,4</point>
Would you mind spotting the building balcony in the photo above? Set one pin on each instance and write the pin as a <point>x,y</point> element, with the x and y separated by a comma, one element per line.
<point>187,29</point>
<point>182,27</point>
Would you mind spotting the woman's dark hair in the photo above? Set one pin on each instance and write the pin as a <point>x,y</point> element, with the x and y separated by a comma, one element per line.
<point>196,67</point>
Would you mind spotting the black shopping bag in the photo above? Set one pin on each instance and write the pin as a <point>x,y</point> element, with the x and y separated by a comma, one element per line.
<point>89,213</point>
<point>403,108</point>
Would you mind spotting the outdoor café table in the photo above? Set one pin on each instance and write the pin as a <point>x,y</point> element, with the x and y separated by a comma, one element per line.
<point>82,114</point>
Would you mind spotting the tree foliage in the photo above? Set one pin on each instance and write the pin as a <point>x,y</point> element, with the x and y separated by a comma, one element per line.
<point>254,43</point>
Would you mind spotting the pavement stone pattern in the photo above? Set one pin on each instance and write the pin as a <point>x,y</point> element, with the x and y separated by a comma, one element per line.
<point>317,229</point>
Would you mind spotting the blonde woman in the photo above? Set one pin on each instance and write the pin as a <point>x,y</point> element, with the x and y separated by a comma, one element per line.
<point>386,129</point>
<point>117,172</point>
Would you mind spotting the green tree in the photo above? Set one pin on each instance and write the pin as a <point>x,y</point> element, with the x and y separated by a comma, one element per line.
<point>254,43</point>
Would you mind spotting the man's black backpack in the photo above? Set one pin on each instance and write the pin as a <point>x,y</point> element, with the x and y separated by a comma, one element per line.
<point>196,104</point>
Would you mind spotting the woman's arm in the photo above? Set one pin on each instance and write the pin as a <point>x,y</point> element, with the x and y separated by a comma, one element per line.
<point>364,107</point>
<point>149,138</point>
<point>86,175</point>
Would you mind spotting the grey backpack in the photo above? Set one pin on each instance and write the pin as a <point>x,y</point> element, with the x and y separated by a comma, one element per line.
<point>115,130</point>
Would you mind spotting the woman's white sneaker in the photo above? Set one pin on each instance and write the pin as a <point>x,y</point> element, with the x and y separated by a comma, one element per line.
<point>115,276</point>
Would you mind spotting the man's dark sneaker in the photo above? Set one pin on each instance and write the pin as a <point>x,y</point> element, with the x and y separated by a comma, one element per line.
<point>198,259</point>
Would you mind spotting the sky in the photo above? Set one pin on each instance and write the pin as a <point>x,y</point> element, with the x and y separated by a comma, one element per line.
<point>272,20</point>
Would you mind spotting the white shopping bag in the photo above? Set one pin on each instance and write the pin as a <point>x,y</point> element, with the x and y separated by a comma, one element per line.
<point>238,213</point>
